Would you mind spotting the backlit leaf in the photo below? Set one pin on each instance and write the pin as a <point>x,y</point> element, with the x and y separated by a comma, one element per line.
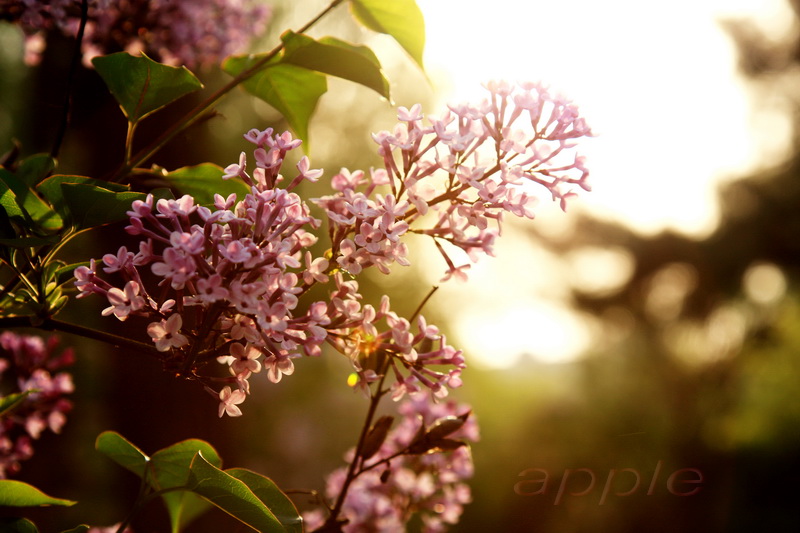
<point>15,493</point>
<point>122,451</point>
<point>336,58</point>
<point>170,468</point>
<point>203,181</point>
<point>401,19</point>
<point>232,496</point>
<point>293,91</point>
<point>141,85</point>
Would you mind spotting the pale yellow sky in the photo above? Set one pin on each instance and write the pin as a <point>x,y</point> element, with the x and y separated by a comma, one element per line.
<point>658,82</point>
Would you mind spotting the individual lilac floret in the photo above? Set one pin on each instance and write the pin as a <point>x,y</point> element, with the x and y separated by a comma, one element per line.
<point>399,482</point>
<point>189,32</point>
<point>30,363</point>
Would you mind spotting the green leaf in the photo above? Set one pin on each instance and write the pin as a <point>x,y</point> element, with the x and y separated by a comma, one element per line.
<point>122,451</point>
<point>141,85</point>
<point>50,189</point>
<point>83,528</point>
<point>8,403</point>
<point>91,206</point>
<point>170,468</point>
<point>18,494</point>
<point>17,525</point>
<point>23,201</point>
<point>336,58</point>
<point>293,91</point>
<point>29,242</point>
<point>401,19</point>
<point>35,168</point>
<point>268,492</point>
<point>232,496</point>
<point>203,181</point>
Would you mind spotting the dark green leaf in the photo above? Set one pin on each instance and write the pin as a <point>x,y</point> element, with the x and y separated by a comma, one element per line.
<point>8,403</point>
<point>269,493</point>
<point>51,190</point>
<point>336,58</point>
<point>170,468</point>
<point>232,496</point>
<point>35,168</point>
<point>205,180</point>
<point>18,494</point>
<point>91,206</point>
<point>83,528</point>
<point>17,525</point>
<point>141,85</point>
<point>23,201</point>
<point>401,19</point>
<point>122,452</point>
<point>293,91</point>
<point>30,242</point>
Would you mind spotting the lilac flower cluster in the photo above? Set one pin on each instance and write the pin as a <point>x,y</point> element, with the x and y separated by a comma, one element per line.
<point>231,279</point>
<point>463,170</point>
<point>189,32</point>
<point>399,483</point>
<point>30,364</point>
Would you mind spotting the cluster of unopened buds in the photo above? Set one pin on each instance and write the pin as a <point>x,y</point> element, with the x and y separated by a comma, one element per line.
<point>231,279</point>
<point>28,364</point>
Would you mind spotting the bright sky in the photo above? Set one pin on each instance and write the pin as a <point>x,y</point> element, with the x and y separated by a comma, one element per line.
<point>656,80</point>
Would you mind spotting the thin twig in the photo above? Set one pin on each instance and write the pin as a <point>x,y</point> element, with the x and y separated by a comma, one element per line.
<point>52,324</point>
<point>73,68</point>
<point>199,111</point>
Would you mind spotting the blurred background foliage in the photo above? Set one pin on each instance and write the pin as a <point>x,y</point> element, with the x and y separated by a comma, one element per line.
<point>695,361</point>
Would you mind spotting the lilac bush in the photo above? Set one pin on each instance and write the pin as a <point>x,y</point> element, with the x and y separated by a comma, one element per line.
<point>227,287</point>
<point>31,364</point>
<point>233,279</point>
<point>177,32</point>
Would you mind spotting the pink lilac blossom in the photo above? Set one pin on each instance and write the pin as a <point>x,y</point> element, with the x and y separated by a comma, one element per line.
<point>30,363</point>
<point>398,483</point>
<point>455,178</point>
<point>234,278</point>
<point>189,32</point>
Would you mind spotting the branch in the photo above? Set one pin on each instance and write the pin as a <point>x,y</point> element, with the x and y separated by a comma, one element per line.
<point>200,110</point>
<point>52,324</point>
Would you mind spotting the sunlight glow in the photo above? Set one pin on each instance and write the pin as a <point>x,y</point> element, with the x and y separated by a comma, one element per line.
<point>657,82</point>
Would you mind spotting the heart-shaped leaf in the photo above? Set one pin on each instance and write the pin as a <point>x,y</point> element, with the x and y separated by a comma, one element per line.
<point>141,85</point>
